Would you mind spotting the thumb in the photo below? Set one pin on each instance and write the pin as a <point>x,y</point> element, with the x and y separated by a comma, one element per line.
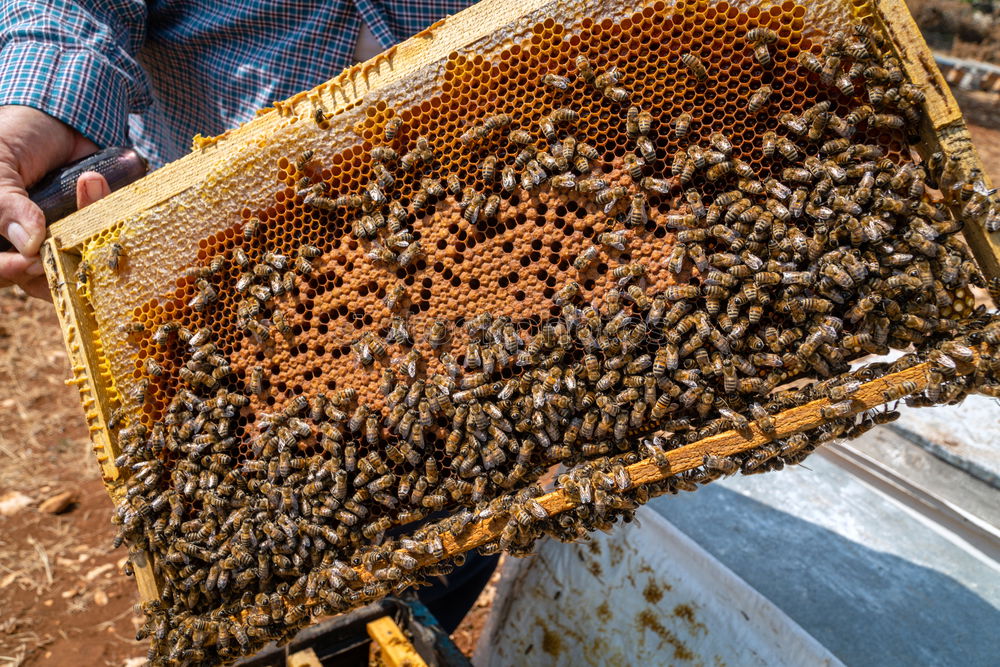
<point>21,221</point>
<point>90,186</point>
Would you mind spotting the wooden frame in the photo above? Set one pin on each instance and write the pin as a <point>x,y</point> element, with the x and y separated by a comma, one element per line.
<point>945,128</point>
<point>397,650</point>
<point>191,179</point>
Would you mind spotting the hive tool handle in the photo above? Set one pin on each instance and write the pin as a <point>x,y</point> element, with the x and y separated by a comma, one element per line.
<point>55,194</point>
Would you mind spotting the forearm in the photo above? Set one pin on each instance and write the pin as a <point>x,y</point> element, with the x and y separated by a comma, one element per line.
<point>76,62</point>
<point>68,80</point>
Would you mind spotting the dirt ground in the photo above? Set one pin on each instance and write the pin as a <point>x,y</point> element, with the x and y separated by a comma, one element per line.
<point>63,597</point>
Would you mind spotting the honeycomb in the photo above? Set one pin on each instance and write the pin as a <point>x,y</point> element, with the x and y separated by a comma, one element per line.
<point>315,333</point>
<point>510,266</point>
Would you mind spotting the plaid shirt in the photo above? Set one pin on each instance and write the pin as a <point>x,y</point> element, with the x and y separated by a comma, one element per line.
<point>153,74</point>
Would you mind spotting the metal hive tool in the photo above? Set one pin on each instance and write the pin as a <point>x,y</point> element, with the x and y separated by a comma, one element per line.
<point>423,284</point>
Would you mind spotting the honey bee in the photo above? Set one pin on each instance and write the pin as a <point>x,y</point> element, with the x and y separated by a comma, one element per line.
<point>646,147</point>
<point>362,352</point>
<point>632,121</point>
<point>610,196</point>
<point>250,229</point>
<point>82,273</point>
<point>357,419</point>
<point>555,81</point>
<point>309,251</point>
<point>659,185</point>
<point>616,94</point>
<point>584,69</point>
<point>897,392</point>
<point>681,292</point>
<point>614,239</point>
<point>488,168</point>
<point>609,78</point>
<point>759,99</point>
<point>639,297</point>
<point>115,253</point>
<point>859,114</point>
<point>886,121</point>
<point>303,160</point>
<point>393,296</point>
<point>508,178</point>
<point>721,464</point>
<point>473,205</point>
<point>837,410</point>
<point>843,391</point>
<point>392,127</point>
<point>637,210</point>
<point>694,65</point>
<point>592,185</point>
<point>153,368</point>
<point>438,334</point>
<point>410,160</point>
<point>682,125</point>
<point>634,165</point>
<point>344,201</point>
<point>844,85</point>
<point>302,265</point>
<point>793,123</point>
<point>694,201</point>
<point>423,146</point>
<point>409,254</point>
<point>809,61</point>
<point>566,293</point>
<point>761,35</point>
<point>645,122</point>
<point>675,261</point>
<point>491,207</point>
<point>384,154</point>
<point>565,115</point>
<point>564,182</point>
<point>761,54</point>
<point>585,258</point>
<point>279,322</point>
<point>912,93</point>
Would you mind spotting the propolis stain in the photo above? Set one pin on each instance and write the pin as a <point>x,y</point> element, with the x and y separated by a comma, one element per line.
<point>653,593</point>
<point>551,642</point>
<point>647,619</point>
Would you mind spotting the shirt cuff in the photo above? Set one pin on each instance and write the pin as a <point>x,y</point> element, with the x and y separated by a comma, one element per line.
<point>79,87</point>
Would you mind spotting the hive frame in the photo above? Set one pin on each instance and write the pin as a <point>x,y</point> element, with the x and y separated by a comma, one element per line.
<point>193,177</point>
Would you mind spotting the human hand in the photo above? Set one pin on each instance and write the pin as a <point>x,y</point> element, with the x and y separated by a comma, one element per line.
<point>32,143</point>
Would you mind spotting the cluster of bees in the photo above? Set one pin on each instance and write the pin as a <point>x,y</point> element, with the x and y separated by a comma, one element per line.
<point>604,493</point>
<point>844,255</point>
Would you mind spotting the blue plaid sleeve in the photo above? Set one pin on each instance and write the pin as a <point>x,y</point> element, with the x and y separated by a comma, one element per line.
<point>405,18</point>
<point>75,61</point>
<point>152,73</point>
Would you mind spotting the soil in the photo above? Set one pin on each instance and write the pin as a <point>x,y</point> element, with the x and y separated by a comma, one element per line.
<point>64,598</point>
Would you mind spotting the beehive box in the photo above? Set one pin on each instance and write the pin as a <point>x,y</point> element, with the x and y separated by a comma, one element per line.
<point>195,244</point>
